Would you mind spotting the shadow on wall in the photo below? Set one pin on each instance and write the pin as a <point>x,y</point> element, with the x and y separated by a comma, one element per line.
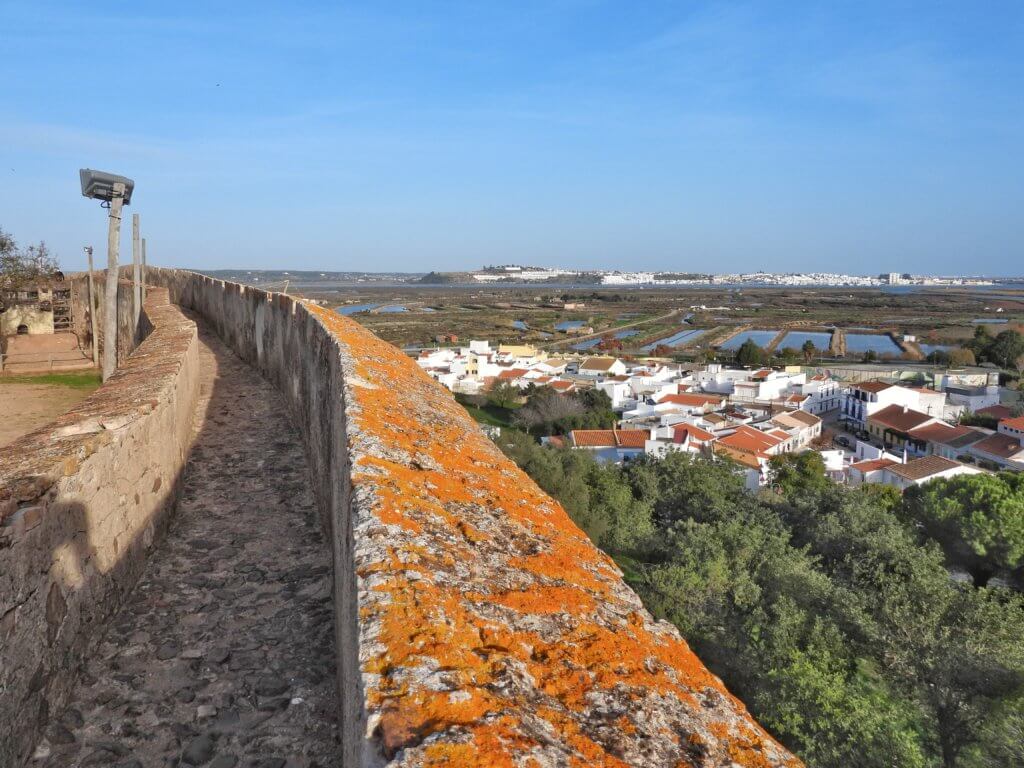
<point>82,500</point>
<point>148,610</point>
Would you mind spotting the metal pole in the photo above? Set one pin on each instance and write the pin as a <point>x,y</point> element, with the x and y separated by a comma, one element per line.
<point>92,311</point>
<point>143,270</point>
<point>136,269</point>
<point>110,311</point>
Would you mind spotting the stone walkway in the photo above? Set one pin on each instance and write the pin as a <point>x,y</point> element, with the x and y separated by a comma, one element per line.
<point>223,655</point>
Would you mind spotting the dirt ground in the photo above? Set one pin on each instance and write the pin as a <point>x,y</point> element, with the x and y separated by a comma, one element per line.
<point>25,407</point>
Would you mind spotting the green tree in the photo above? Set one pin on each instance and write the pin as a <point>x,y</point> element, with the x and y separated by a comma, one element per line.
<point>20,267</point>
<point>750,354</point>
<point>978,520</point>
<point>794,473</point>
<point>505,394</point>
<point>1005,349</point>
<point>809,350</point>
<point>961,356</point>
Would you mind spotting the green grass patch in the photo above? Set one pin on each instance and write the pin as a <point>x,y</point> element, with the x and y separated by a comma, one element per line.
<point>487,414</point>
<point>84,380</point>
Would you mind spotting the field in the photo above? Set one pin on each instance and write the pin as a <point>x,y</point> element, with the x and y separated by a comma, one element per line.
<point>29,402</point>
<point>683,322</point>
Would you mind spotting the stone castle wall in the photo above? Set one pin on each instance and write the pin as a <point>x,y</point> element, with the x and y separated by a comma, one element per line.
<point>476,625</point>
<point>81,501</point>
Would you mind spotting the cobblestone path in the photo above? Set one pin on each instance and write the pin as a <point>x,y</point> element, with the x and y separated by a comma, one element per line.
<point>223,654</point>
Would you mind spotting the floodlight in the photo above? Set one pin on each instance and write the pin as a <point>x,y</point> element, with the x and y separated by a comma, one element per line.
<point>100,185</point>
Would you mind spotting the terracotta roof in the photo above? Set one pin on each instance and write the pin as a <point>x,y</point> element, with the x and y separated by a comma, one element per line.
<point>610,438</point>
<point>1017,423</point>
<point>926,466</point>
<point>899,418</point>
<point>680,431</point>
<point>743,457</point>
<point>750,440</point>
<point>794,398</point>
<point>598,363</point>
<point>689,398</point>
<point>873,386</point>
<point>798,419</point>
<point>513,373</point>
<point>998,412</point>
<point>561,386</point>
<point>872,464</point>
<point>944,434</point>
<point>807,418</point>
<point>715,418</point>
<point>1003,446</point>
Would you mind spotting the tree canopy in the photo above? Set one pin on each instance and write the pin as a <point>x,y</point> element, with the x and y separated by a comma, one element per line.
<point>19,267</point>
<point>828,610</point>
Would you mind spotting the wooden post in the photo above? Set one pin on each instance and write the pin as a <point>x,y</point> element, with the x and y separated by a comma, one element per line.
<point>143,270</point>
<point>110,300</point>
<point>136,269</point>
<point>92,312</point>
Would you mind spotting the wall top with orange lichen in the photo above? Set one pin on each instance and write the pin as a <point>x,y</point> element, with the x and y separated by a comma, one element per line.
<point>476,624</point>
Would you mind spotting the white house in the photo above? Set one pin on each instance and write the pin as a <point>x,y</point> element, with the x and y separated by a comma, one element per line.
<point>602,366</point>
<point>924,470</point>
<point>612,445</point>
<point>863,400</point>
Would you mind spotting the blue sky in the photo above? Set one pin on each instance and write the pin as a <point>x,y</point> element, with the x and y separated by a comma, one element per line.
<point>858,136</point>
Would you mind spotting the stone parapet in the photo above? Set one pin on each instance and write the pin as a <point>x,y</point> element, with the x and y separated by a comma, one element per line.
<point>81,501</point>
<point>476,625</point>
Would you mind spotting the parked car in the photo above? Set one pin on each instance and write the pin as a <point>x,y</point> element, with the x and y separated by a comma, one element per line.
<point>844,441</point>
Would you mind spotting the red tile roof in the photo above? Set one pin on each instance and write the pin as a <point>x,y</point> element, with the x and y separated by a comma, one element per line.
<point>1003,446</point>
<point>1017,423</point>
<point>680,431</point>
<point>873,386</point>
<point>691,399</point>
<point>997,412</point>
<point>598,363</point>
<point>922,468</point>
<point>750,440</point>
<point>900,419</point>
<point>747,458</point>
<point>561,386</point>
<point>808,419</point>
<point>872,465</point>
<point>610,438</point>
<point>945,434</point>
<point>513,373</point>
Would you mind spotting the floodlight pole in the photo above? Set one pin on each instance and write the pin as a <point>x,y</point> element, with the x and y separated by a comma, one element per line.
<point>92,310</point>
<point>136,269</point>
<point>110,313</point>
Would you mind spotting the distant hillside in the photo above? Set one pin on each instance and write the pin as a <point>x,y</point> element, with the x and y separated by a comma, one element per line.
<point>444,278</point>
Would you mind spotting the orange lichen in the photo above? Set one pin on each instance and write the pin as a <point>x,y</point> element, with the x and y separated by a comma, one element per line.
<point>508,595</point>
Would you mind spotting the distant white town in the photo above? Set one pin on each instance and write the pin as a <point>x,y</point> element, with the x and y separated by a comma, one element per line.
<point>514,272</point>
<point>867,431</point>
